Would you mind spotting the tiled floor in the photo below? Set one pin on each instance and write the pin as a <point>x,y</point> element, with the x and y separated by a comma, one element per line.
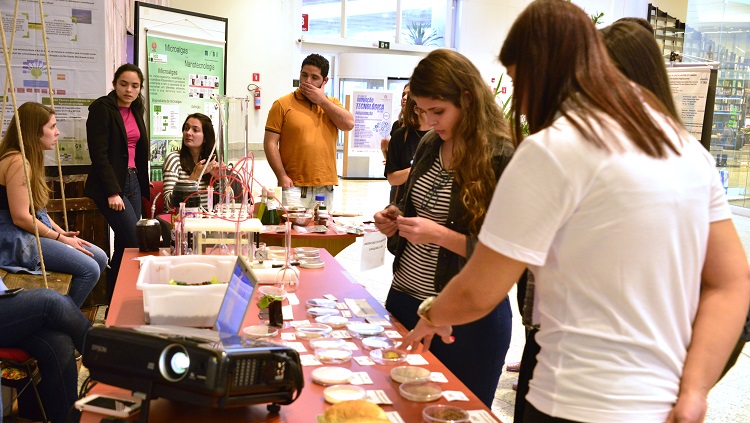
<point>729,401</point>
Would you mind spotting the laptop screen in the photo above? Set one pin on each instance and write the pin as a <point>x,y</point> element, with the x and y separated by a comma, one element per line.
<point>236,300</point>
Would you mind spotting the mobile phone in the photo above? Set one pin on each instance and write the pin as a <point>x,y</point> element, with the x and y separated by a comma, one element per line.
<point>10,292</point>
<point>110,406</point>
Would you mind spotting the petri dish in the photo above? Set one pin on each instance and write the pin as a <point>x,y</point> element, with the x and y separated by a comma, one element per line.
<point>335,322</point>
<point>388,356</point>
<point>331,375</point>
<point>362,329</point>
<point>320,302</point>
<point>377,342</point>
<point>337,393</point>
<point>271,290</point>
<point>333,355</point>
<point>328,343</point>
<point>312,331</point>
<point>260,331</point>
<point>403,374</point>
<point>420,391</point>
<point>311,263</point>
<point>445,414</point>
<point>322,311</point>
<point>307,250</point>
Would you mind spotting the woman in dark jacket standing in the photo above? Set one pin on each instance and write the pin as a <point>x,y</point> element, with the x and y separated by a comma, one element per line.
<point>119,144</point>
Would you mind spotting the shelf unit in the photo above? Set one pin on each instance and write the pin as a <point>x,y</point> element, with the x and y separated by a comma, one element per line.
<point>730,108</point>
<point>668,30</point>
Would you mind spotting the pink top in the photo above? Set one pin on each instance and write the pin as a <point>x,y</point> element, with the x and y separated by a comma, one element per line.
<point>134,134</point>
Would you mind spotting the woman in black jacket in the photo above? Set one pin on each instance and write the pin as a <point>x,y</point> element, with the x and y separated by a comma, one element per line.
<point>119,145</point>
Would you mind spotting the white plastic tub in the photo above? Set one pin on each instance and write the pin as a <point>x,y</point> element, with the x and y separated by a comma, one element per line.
<point>197,306</point>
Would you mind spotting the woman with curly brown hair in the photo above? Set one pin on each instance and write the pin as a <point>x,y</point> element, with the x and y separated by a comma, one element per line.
<point>434,228</point>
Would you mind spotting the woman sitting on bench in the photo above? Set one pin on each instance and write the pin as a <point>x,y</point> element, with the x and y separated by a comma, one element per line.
<point>63,251</point>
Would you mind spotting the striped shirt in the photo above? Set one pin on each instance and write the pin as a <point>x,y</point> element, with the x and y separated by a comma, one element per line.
<point>431,196</point>
<point>172,173</point>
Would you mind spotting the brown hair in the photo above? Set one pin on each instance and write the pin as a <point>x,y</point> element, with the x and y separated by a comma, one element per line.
<point>450,76</point>
<point>636,54</point>
<point>32,117</point>
<point>410,118</point>
<point>559,57</point>
<point>402,112</point>
<point>209,139</point>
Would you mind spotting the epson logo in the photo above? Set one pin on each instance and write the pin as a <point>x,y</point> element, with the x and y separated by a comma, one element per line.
<point>98,348</point>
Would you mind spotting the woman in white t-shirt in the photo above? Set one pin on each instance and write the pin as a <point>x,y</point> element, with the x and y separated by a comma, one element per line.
<point>642,284</point>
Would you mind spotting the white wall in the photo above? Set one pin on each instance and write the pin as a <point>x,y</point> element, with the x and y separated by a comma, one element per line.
<point>263,39</point>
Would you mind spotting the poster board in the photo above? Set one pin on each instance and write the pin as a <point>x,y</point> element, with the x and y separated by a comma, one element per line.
<point>75,31</point>
<point>373,118</point>
<point>184,58</point>
<point>694,93</point>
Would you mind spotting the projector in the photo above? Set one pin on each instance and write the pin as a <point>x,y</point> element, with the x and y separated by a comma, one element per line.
<point>198,366</point>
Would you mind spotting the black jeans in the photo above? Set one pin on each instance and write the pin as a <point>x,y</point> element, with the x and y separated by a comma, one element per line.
<point>122,223</point>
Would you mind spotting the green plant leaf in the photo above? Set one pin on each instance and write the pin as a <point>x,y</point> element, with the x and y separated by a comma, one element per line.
<point>267,299</point>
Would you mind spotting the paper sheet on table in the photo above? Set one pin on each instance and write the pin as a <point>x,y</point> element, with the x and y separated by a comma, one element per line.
<point>373,251</point>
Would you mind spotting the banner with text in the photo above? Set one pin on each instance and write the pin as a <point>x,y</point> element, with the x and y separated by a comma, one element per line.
<point>182,77</point>
<point>75,30</point>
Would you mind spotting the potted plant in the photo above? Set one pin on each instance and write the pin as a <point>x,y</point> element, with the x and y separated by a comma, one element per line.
<point>273,304</point>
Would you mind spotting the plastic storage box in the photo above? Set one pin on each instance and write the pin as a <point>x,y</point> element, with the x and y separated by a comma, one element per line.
<point>198,306</point>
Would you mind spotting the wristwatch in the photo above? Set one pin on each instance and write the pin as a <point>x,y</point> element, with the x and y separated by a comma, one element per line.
<point>424,308</point>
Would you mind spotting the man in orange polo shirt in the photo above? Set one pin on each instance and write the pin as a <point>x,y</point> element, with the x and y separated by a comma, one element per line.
<point>301,133</point>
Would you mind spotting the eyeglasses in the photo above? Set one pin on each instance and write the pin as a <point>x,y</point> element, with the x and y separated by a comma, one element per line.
<point>443,178</point>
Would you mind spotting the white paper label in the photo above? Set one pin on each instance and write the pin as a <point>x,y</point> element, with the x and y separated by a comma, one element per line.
<point>360,378</point>
<point>364,360</point>
<point>455,396</point>
<point>416,360</point>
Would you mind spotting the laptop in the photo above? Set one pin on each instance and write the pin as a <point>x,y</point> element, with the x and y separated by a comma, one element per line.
<point>237,299</point>
<point>232,312</point>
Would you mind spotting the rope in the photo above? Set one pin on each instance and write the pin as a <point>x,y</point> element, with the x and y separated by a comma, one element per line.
<point>7,77</point>
<point>52,104</point>
<point>23,150</point>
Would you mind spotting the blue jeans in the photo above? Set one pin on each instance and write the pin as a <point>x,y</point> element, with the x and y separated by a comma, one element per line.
<point>478,353</point>
<point>59,257</point>
<point>122,223</point>
<point>50,327</point>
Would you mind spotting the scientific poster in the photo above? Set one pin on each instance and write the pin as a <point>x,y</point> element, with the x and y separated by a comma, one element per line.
<point>75,30</point>
<point>690,91</point>
<point>183,76</point>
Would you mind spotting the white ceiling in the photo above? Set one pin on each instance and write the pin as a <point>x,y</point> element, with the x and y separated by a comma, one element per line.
<point>708,15</point>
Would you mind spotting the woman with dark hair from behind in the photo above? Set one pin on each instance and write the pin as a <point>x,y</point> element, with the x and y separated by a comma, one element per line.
<point>642,285</point>
<point>401,151</point>
<point>450,185</point>
<point>637,55</point>
<point>119,148</point>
